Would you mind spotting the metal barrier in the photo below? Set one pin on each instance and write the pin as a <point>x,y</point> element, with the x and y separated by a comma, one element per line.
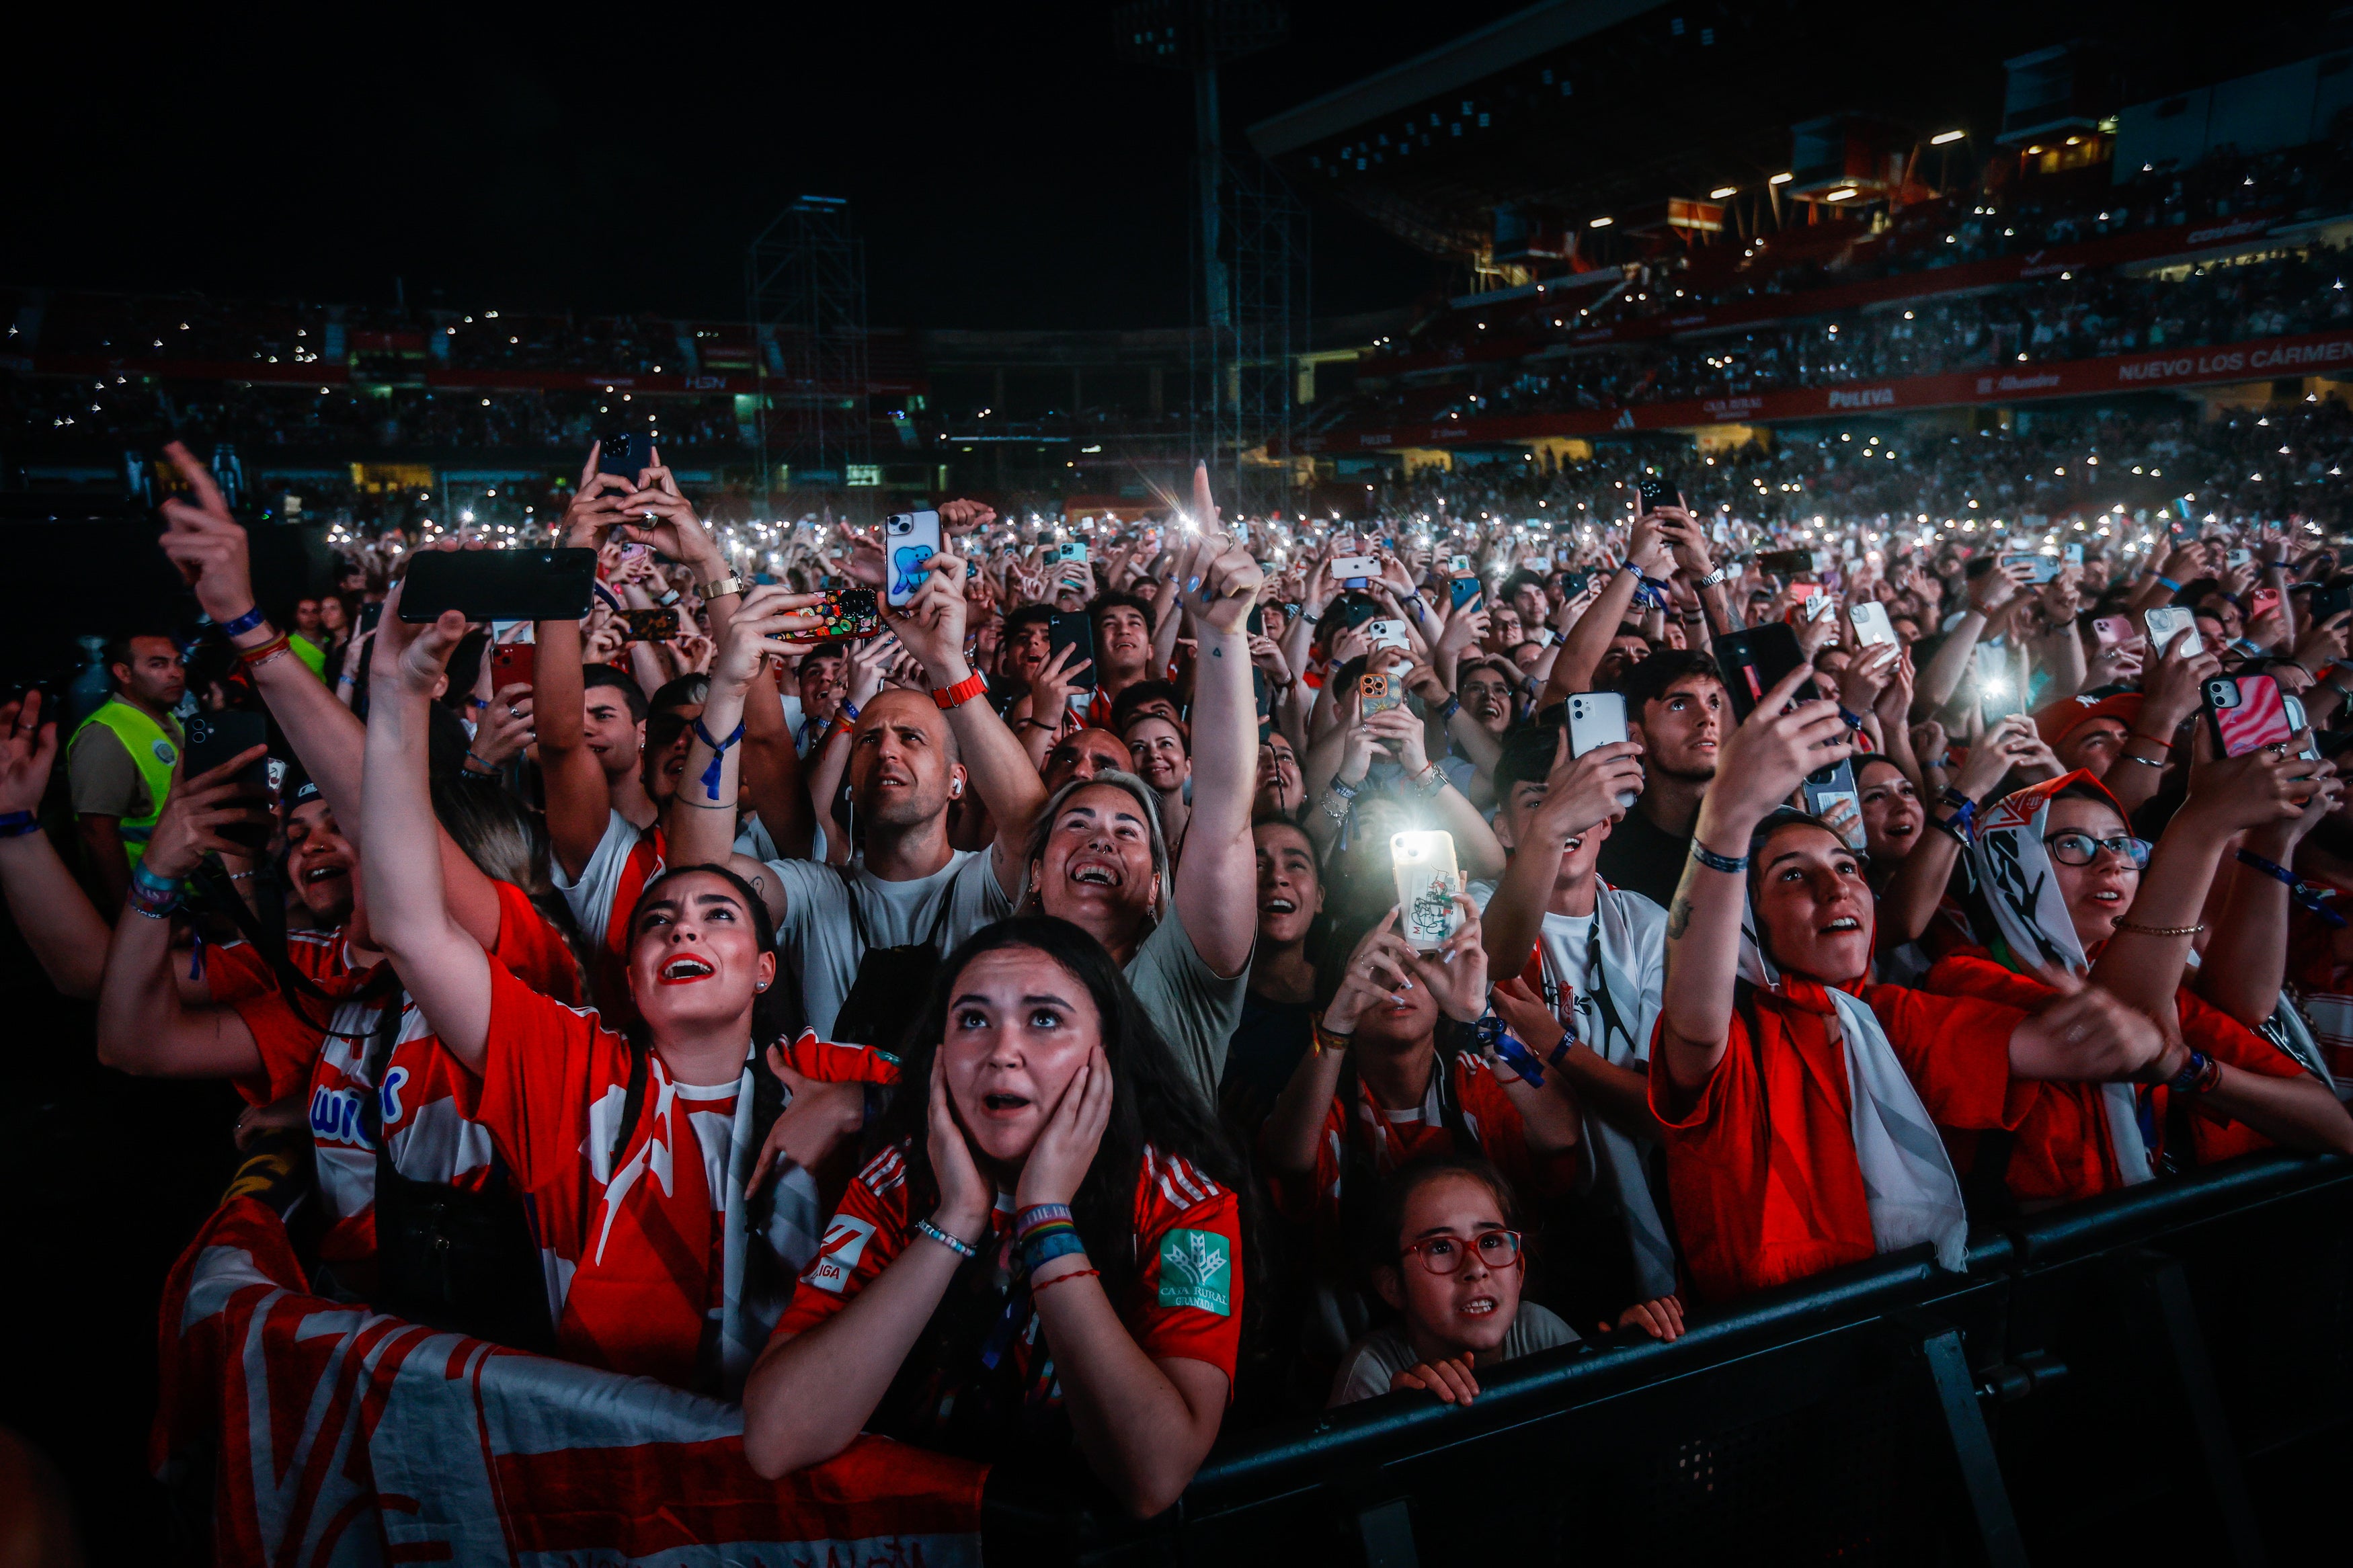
<point>2100,1376</point>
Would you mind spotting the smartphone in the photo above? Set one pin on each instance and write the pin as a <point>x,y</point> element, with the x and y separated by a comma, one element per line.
<point>2246,714</point>
<point>2167,621</point>
<point>1872,626</point>
<point>2039,568</point>
<point>1380,693</point>
<point>1389,634</point>
<point>372,613</point>
<point>213,740</point>
<point>499,585</point>
<point>2071,555</point>
<point>1597,718</point>
<point>1789,562</point>
<point>1460,567</point>
<point>1070,549</point>
<point>1826,788</point>
<point>657,624</point>
<point>2261,603</point>
<point>2112,629</point>
<point>2240,557</point>
<point>514,664</point>
<point>850,612</point>
<point>2330,602</point>
<point>1655,493</point>
<point>2297,724</point>
<point>1751,661</point>
<point>624,455</point>
<point>1998,694</point>
<point>1462,590</point>
<point>1573,583</point>
<point>912,538</point>
<point>1355,571</point>
<point>1427,882</point>
<point>1072,630</point>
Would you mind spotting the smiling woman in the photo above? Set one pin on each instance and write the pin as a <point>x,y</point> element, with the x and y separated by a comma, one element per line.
<point>1046,1255</point>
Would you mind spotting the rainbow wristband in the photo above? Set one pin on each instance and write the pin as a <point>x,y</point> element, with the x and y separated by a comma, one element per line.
<point>1028,1219</point>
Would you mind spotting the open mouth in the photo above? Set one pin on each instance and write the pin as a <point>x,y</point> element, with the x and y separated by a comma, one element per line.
<point>322,873</point>
<point>1843,924</point>
<point>1095,874</point>
<point>1005,1104</point>
<point>685,970</point>
<point>1278,907</point>
<point>1477,1307</point>
<point>2108,896</point>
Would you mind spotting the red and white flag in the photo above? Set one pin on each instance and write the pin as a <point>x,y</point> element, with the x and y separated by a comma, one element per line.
<point>340,1436</point>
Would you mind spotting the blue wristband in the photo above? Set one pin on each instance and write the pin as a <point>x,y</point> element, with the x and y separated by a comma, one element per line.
<point>2169,585</point>
<point>1036,1255</point>
<point>16,823</point>
<point>244,622</point>
<point>151,881</point>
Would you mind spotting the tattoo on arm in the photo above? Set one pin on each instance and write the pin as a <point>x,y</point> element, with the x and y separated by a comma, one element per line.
<point>1679,916</point>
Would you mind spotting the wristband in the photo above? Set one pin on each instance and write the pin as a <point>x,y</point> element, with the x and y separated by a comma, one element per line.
<point>717,750</point>
<point>719,587</point>
<point>2198,1075</point>
<point>142,876</point>
<point>1327,1039</point>
<point>2168,584</point>
<point>2313,899</point>
<point>1058,1239</point>
<point>1945,826</point>
<point>1334,804</point>
<point>667,599</point>
<point>1453,706</point>
<point>1344,790</point>
<point>1733,865</point>
<point>16,823</point>
<point>962,1249</point>
<point>244,622</point>
<point>1036,1214</point>
<point>962,692</point>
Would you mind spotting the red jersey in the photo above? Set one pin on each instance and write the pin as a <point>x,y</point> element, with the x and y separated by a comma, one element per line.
<point>1186,1301</point>
<point>1761,1164</point>
<point>2320,978</point>
<point>1398,1136</point>
<point>633,1245</point>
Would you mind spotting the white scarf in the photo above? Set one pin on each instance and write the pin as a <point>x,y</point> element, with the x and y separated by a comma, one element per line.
<point>2012,870</point>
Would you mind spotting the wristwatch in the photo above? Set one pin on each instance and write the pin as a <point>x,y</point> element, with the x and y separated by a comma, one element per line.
<point>1721,574</point>
<point>719,587</point>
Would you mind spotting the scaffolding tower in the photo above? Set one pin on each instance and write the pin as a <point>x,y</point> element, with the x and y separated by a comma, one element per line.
<point>804,282</point>
<point>1249,249</point>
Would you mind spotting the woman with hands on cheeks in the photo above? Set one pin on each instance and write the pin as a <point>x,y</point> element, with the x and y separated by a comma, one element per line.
<point>1046,1255</point>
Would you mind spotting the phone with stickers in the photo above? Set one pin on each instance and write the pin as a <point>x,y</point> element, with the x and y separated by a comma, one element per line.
<point>1380,693</point>
<point>850,612</point>
<point>1428,879</point>
<point>910,541</point>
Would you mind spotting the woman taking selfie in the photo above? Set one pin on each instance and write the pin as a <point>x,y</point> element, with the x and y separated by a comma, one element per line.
<point>1046,1257</point>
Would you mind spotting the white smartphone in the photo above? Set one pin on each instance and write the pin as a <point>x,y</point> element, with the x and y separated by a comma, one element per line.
<point>2167,621</point>
<point>1459,566</point>
<point>1387,633</point>
<point>1597,719</point>
<point>2298,723</point>
<point>1872,626</point>
<point>1427,882</point>
<point>1355,571</point>
<point>912,538</point>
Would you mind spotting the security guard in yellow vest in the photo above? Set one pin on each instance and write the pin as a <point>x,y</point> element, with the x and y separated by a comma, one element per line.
<point>120,760</point>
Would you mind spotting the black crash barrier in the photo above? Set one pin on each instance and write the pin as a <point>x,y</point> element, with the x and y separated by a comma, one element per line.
<point>2103,1377</point>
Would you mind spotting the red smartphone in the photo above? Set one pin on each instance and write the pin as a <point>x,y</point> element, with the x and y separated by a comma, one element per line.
<point>2261,603</point>
<point>514,664</point>
<point>2112,630</point>
<point>2247,714</point>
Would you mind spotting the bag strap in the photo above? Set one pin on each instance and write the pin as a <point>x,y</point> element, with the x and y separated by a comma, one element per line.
<point>857,918</point>
<point>633,1099</point>
<point>381,1045</point>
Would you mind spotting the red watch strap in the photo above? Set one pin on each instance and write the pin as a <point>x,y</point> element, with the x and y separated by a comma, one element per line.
<point>962,692</point>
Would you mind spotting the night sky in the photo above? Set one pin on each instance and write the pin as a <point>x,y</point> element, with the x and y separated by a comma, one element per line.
<point>1004,173</point>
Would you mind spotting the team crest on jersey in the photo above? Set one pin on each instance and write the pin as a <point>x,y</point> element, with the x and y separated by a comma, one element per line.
<point>1197,1270</point>
<point>838,1255</point>
<point>164,754</point>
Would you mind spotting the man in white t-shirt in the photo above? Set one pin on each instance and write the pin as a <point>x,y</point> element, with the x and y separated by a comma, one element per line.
<point>1589,961</point>
<point>912,756</point>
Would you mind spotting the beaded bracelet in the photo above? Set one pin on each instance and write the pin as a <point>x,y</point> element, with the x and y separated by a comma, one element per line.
<point>962,1249</point>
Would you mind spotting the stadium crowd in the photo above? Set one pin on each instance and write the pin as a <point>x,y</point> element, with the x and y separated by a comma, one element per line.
<point>1132,982</point>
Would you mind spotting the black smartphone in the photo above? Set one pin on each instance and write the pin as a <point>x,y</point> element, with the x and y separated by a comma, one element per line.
<point>1072,630</point>
<point>1655,493</point>
<point>656,624</point>
<point>2327,601</point>
<point>625,454</point>
<point>499,585</point>
<point>370,615</point>
<point>1255,622</point>
<point>1789,562</point>
<point>1752,660</point>
<point>213,740</point>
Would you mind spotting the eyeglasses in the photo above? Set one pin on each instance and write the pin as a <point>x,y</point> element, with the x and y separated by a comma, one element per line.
<point>2082,849</point>
<point>1497,1250</point>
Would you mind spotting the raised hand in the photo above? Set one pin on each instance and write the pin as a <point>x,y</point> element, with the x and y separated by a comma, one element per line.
<point>766,623</point>
<point>1456,975</point>
<point>931,624</point>
<point>1380,971</point>
<point>506,727</point>
<point>1769,755</point>
<point>28,750</point>
<point>198,809</point>
<point>206,543</point>
<point>595,506</point>
<point>414,657</point>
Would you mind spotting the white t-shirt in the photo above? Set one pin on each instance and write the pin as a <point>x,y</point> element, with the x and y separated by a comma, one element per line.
<point>1374,1360</point>
<point>818,941</point>
<point>592,895</point>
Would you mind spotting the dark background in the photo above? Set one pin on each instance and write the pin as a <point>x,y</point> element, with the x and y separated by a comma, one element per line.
<point>1005,168</point>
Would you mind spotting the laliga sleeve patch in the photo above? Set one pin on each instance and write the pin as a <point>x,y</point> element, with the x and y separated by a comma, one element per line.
<point>1196,1270</point>
<point>838,1255</point>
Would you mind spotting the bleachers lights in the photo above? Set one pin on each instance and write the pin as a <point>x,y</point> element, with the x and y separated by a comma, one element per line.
<point>1600,223</point>
<point>1720,192</point>
<point>1780,180</point>
<point>1942,137</point>
<point>1843,194</point>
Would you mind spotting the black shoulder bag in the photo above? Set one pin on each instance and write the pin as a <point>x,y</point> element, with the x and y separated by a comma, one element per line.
<point>447,1256</point>
<point>888,992</point>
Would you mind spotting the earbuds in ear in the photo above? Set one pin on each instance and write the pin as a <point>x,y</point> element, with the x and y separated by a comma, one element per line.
<point>955,786</point>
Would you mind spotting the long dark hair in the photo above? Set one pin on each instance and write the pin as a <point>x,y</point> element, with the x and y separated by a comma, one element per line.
<point>1152,1101</point>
